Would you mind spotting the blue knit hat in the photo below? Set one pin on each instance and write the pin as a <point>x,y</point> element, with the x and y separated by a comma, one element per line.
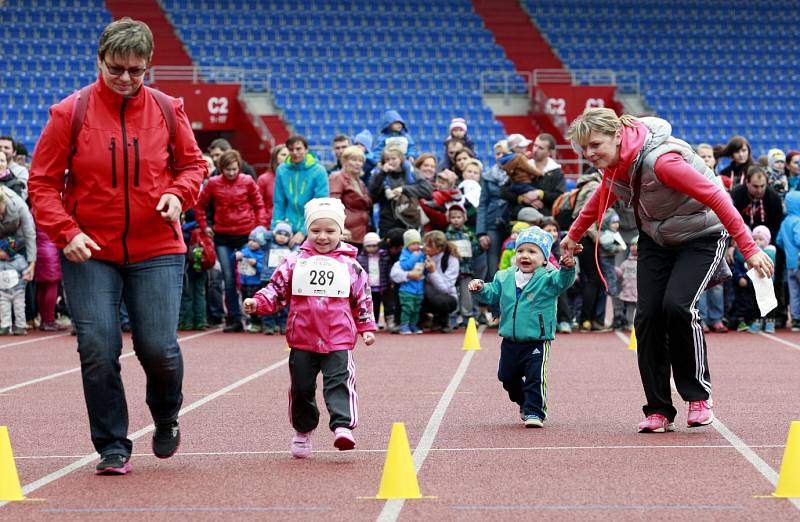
<point>363,138</point>
<point>538,237</point>
<point>259,235</point>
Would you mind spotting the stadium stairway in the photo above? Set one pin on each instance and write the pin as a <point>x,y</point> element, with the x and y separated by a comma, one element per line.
<point>169,48</point>
<point>514,30</point>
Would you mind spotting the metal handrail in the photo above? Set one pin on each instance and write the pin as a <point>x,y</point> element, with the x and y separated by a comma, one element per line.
<point>503,82</point>
<point>256,80</point>
<point>625,81</point>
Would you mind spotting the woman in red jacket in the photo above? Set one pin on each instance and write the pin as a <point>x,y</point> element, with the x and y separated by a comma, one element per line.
<point>238,209</point>
<point>133,166</point>
<point>266,181</point>
<point>347,186</point>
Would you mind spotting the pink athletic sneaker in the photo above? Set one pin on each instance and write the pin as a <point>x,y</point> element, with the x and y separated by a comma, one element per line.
<point>700,413</point>
<point>301,445</point>
<point>343,439</point>
<point>656,423</point>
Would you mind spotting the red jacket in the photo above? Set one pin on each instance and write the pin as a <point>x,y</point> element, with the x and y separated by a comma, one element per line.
<point>119,173</point>
<point>238,205</point>
<point>266,185</point>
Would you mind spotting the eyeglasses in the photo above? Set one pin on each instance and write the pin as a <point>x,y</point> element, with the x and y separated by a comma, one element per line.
<point>133,72</point>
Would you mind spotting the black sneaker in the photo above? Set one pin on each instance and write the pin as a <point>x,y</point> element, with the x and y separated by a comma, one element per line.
<point>234,327</point>
<point>166,439</point>
<point>113,465</point>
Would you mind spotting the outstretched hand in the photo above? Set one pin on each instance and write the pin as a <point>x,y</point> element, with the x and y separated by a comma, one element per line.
<point>369,338</point>
<point>476,285</point>
<point>762,263</point>
<point>249,305</point>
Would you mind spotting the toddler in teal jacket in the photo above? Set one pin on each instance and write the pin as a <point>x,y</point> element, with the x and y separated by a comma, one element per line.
<point>527,295</point>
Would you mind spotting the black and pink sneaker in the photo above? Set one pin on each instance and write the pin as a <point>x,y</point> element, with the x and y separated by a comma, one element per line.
<point>113,465</point>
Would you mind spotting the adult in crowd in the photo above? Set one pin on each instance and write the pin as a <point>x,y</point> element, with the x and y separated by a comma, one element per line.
<point>741,154</point>
<point>492,220</point>
<point>9,146</point>
<point>297,181</point>
<point>426,165</point>
<point>454,146</point>
<point>220,146</point>
<point>238,209</point>
<point>16,222</point>
<point>8,179</point>
<point>460,160</point>
<point>441,272</point>
<point>682,213</point>
<point>759,204</point>
<point>339,143</point>
<point>549,181</point>
<point>793,169</point>
<point>348,186</point>
<point>389,183</point>
<point>116,220</point>
<point>266,181</point>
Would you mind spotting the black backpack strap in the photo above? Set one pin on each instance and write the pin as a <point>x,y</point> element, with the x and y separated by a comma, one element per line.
<point>168,110</point>
<point>78,115</point>
<point>637,189</point>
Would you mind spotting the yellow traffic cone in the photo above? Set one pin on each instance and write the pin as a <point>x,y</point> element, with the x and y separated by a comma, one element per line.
<point>632,343</point>
<point>399,476</point>
<point>9,480</point>
<point>789,477</point>
<point>471,341</point>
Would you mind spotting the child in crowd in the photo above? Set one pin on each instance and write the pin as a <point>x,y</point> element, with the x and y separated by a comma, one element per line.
<point>444,194</point>
<point>275,251</point>
<point>626,282</point>
<point>471,188</point>
<point>47,276</point>
<point>527,296</point>
<point>394,132</point>
<point>330,306</point>
<point>611,244</point>
<point>509,245</point>
<point>789,240</point>
<point>458,131</point>
<point>465,240</point>
<point>745,310</point>
<point>521,172</point>
<point>375,261</point>
<point>250,263</point>
<point>762,236</point>
<point>12,289</point>
<point>776,171</point>
<point>412,258</point>
<point>200,258</point>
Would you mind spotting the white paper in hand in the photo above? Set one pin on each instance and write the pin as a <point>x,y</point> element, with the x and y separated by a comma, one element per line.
<point>765,292</point>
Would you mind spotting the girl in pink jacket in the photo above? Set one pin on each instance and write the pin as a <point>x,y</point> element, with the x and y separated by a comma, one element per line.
<point>331,303</point>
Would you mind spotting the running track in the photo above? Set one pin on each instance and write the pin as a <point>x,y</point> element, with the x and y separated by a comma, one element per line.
<point>468,444</point>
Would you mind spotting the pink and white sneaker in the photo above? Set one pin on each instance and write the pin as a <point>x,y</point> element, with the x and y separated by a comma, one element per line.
<point>700,413</point>
<point>301,445</point>
<point>656,423</point>
<point>343,439</point>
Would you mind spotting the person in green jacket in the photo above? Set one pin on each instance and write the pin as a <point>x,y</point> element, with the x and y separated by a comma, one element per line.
<point>527,295</point>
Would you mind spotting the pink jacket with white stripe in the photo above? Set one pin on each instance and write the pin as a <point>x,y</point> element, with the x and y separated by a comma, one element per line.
<point>320,324</point>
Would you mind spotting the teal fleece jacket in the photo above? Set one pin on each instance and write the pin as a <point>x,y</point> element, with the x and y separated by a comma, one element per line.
<point>529,315</point>
<point>295,185</point>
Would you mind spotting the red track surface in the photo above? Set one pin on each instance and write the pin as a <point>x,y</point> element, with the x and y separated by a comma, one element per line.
<point>588,463</point>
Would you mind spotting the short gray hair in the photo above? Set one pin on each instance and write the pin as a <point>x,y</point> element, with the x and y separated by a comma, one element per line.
<point>126,37</point>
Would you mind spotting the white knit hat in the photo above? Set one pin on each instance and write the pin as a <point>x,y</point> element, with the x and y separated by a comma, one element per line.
<point>331,208</point>
<point>371,238</point>
<point>458,123</point>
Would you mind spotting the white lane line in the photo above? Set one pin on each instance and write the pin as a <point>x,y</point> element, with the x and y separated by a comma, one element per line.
<point>777,339</point>
<point>83,461</point>
<point>744,450</point>
<point>391,509</point>
<point>73,370</point>
<point>34,340</point>
<point>433,450</point>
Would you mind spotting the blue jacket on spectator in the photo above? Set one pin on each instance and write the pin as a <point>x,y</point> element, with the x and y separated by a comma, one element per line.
<point>251,274</point>
<point>390,117</point>
<point>295,185</point>
<point>408,260</point>
<point>492,209</point>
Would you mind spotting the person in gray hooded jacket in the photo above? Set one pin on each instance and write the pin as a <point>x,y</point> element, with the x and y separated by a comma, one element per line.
<point>684,217</point>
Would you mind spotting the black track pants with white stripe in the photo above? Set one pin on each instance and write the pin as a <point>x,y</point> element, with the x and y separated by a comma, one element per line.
<point>668,328</point>
<point>338,389</point>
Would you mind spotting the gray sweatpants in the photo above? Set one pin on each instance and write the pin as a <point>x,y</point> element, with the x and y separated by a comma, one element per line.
<point>338,389</point>
<point>14,298</point>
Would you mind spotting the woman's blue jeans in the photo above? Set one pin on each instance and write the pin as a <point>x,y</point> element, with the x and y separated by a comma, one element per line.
<point>151,291</point>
